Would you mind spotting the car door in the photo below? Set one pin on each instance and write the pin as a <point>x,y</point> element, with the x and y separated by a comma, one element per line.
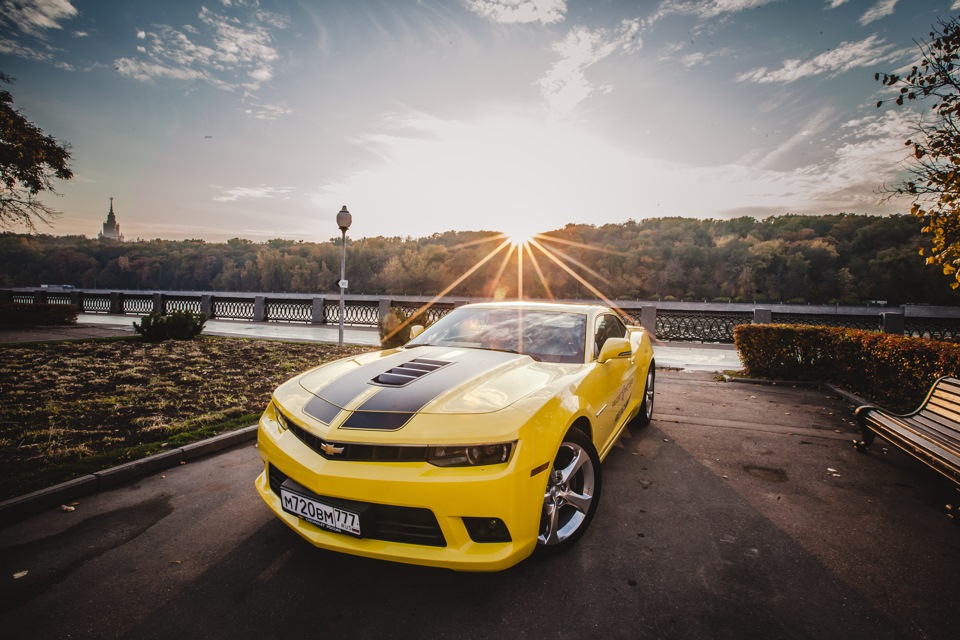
<point>610,384</point>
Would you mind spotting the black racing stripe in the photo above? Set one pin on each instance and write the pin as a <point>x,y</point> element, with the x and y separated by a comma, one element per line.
<point>341,391</point>
<point>376,420</point>
<point>392,407</point>
<point>409,399</point>
<point>322,410</point>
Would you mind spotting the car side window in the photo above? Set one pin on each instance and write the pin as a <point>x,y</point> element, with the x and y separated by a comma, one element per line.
<point>608,326</point>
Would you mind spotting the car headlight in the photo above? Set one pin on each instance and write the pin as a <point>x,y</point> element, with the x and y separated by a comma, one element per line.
<point>473,455</point>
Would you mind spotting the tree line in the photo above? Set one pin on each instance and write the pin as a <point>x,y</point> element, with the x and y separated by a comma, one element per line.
<point>825,259</point>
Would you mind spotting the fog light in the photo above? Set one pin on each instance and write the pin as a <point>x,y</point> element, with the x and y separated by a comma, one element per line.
<point>487,529</point>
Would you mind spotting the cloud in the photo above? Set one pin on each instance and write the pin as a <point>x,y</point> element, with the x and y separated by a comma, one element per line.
<point>458,170</point>
<point>522,11</point>
<point>10,47</point>
<point>706,9</point>
<point>146,71</point>
<point>268,111</point>
<point>817,124</point>
<point>849,55</point>
<point>565,84</point>
<point>222,51</point>
<point>833,4</point>
<point>34,17</point>
<point>882,9</point>
<point>691,60</point>
<point>246,193</point>
<point>871,153</point>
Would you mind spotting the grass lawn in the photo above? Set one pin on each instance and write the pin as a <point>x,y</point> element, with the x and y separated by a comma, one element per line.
<point>71,408</point>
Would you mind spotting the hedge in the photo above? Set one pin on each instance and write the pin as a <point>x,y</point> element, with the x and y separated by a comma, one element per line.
<point>895,372</point>
<point>15,314</point>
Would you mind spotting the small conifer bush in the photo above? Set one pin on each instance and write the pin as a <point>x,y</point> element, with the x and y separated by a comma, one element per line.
<point>392,337</point>
<point>177,325</point>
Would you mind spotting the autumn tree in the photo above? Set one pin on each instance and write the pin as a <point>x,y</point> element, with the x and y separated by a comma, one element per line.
<point>29,161</point>
<point>933,180</point>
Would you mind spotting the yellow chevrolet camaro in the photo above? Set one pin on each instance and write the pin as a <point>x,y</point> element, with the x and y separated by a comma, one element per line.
<point>471,446</point>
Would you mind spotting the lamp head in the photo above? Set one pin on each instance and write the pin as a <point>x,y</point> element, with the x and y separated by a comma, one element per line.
<point>344,219</point>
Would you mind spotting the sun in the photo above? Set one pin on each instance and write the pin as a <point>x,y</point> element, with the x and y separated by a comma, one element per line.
<point>521,238</point>
<point>521,233</point>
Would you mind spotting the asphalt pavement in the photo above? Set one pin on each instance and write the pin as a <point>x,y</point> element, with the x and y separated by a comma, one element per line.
<point>742,511</point>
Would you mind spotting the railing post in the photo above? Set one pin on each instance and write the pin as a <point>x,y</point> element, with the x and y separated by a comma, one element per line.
<point>40,297</point>
<point>893,323</point>
<point>762,316</point>
<point>260,309</point>
<point>384,310</point>
<point>317,315</point>
<point>648,320</point>
<point>6,296</point>
<point>158,304</point>
<point>206,305</point>
<point>459,303</point>
<point>76,299</point>
<point>116,303</point>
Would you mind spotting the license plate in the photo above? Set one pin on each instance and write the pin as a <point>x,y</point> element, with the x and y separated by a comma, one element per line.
<point>323,515</point>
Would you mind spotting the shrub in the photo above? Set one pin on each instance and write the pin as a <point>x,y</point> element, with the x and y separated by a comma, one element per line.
<point>895,372</point>
<point>392,337</point>
<point>15,314</point>
<point>177,325</point>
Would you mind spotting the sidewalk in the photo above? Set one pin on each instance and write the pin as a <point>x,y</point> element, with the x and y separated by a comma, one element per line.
<point>671,355</point>
<point>741,511</point>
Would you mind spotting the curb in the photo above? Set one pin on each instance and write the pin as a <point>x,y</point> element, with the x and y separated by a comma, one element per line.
<point>18,508</point>
<point>846,395</point>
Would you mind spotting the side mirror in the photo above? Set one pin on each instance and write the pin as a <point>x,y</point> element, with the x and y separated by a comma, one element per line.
<point>416,330</point>
<point>615,348</point>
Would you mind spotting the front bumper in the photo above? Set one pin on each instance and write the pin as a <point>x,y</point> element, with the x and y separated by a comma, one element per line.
<point>507,492</point>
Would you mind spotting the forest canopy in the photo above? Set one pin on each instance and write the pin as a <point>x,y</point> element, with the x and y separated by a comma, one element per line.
<point>827,259</point>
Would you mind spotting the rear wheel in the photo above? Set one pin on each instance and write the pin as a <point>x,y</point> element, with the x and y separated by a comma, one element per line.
<point>646,406</point>
<point>572,494</point>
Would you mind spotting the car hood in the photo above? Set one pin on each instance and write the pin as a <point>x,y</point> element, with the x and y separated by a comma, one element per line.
<point>384,390</point>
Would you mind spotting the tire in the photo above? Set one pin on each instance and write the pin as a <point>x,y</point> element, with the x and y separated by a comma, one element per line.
<point>645,414</point>
<point>572,494</point>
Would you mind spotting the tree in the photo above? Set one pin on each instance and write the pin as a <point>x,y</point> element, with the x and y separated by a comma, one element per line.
<point>29,161</point>
<point>934,168</point>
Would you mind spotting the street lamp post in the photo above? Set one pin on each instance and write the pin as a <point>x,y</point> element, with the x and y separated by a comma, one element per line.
<point>343,221</point>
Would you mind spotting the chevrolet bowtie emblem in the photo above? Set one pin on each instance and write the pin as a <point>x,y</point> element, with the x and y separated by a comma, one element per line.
<point>330,449</point>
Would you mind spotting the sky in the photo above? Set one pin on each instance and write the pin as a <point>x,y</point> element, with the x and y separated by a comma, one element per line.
<point>261,119</point>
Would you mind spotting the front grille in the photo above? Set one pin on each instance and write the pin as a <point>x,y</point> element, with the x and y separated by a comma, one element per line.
<point>410,525</point>
<point>356,452</point>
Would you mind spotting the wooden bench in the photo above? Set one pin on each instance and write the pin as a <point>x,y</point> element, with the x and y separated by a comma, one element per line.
<point>931,434</point>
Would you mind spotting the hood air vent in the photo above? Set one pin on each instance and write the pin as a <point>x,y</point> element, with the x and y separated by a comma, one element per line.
<point>408,372</point>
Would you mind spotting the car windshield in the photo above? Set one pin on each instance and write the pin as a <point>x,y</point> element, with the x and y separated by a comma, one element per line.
<point>548,336</point>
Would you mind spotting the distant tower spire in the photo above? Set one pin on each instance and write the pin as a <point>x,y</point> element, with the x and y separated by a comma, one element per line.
<point>111,230</point>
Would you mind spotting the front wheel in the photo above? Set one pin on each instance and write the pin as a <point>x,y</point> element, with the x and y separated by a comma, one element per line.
<point>572,494</point>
